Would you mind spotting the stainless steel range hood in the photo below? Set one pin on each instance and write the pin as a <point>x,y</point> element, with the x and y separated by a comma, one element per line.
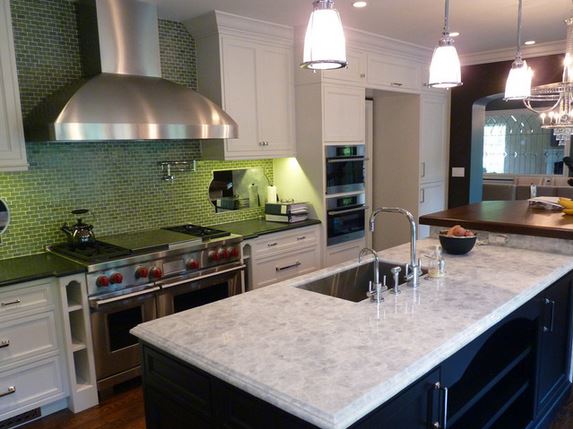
<point>126,99</point>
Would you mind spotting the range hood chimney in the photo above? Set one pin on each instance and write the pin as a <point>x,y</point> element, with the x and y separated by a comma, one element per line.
<point>126,99</point>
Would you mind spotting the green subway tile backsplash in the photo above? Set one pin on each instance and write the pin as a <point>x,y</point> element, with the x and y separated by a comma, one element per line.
<point>120,182</point>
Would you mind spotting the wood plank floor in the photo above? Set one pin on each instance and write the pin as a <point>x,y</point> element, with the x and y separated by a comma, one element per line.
<point>125,410</point>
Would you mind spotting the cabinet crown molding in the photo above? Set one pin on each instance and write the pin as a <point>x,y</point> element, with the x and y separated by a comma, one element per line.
<point>223,23</point>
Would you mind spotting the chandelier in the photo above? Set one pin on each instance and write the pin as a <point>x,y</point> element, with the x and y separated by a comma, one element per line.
<point>554,101</point>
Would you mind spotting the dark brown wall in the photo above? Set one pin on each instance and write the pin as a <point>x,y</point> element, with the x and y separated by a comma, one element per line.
<point>481,81</point>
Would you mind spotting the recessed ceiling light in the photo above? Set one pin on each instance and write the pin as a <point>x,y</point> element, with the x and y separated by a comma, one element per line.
<point>529,42</point>
<point>454,34</point>
<point>360,4</point>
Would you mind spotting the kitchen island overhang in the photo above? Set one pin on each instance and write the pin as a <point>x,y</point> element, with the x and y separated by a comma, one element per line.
<point>329,361</point>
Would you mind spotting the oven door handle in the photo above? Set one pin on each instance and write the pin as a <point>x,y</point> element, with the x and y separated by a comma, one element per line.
<point>97,303</point>
<point>167,285</point>
<point>335,160</point>
<point>340,212</point>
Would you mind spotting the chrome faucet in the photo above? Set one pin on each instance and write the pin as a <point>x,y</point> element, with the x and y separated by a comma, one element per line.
<point>413,269</point>
<point>374,287</point>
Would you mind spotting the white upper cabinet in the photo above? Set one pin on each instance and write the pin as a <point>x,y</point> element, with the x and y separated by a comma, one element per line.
<point>354,72</point>
<point>12,147</point>
<point>387,71</point>
<point>433,137</point>
<point>343,114</point>
<point>246,66</point>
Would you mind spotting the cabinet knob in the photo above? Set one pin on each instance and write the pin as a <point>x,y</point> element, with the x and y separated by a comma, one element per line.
<point>362,75</point>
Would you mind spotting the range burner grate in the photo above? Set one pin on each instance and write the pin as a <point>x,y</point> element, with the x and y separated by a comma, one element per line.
<point>204,232</point>
<point>92,254</point>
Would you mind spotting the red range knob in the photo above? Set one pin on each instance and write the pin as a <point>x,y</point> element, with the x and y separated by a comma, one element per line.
<point>102,281</point>
<point>141,273</point>
<point>214,256</point>
<point>192,264</point>
<point>233,251</point>
<point>224,253</point>
<point>116,278</point>
<point>155,273</point>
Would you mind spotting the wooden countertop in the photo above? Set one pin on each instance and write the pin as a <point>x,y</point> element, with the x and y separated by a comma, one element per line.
<point>512,217</point>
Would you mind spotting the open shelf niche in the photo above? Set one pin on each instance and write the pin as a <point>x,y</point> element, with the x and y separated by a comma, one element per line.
<point>79,349</point>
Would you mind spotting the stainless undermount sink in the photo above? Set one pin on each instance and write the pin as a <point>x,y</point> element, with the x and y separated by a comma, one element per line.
<point>352,284</point>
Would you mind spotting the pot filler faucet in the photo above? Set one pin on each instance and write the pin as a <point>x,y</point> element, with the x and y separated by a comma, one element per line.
<point>413,269</point>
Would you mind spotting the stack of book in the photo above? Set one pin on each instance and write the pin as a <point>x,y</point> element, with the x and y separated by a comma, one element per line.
<point>286,212</point>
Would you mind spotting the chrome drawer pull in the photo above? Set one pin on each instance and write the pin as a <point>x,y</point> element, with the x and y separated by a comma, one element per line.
<point>11,389</point>
<point>296,264</point>
<point>272,244</point>
<point>16,301</point>
<point>4,344</point>
<point>396,84</point>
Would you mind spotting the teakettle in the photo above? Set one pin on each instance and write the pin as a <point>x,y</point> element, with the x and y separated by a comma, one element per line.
<point>80,234</point>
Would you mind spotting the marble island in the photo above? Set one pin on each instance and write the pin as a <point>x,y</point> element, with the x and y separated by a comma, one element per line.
<point>330,362</point>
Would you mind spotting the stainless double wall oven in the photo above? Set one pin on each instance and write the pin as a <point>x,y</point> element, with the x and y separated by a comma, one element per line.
<point>345,192</point>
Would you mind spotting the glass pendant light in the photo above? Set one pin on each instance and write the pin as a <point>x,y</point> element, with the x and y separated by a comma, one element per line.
<point>445,69</point>
<point>518,85</point>
<point>324,42</point>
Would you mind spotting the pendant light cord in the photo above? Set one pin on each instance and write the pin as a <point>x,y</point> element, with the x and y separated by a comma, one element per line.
<point>519,14</point>
<point>446,15</point>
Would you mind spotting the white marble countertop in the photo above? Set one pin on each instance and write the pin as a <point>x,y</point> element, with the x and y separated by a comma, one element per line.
<point>331,361</point>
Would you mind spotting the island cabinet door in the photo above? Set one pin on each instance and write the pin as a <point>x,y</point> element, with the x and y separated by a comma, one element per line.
<point>236,409</point>
<point>420,406</point>
<point>555,328</point>
<point>490,381</point>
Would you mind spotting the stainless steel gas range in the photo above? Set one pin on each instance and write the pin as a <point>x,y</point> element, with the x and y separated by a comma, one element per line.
<point>134,278</point>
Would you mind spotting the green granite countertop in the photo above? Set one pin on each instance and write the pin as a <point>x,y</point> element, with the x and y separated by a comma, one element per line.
<point>253,228</point>
<point>34,267</point>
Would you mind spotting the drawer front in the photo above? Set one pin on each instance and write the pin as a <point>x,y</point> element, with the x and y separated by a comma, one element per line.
<point>285,242</point>
<point>286,267</point>
<point>393,72</point>
<point>27,337</point>
<point>25,297</point>
<point>30,386</point>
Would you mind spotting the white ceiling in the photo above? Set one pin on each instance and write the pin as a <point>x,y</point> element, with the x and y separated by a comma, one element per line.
<point>485,24</point>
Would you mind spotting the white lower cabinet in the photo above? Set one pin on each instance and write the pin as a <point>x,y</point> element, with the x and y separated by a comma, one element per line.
<point>46,360</point>
<point>432,199</point>
<point>32,370</point>
<point>283,255</point>
<point>344,252</point>
<point>30,386</point>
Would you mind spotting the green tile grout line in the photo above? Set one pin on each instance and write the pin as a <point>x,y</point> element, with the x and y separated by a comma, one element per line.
<point>120,182</point>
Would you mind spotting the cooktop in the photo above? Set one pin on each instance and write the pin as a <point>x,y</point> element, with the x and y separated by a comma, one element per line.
<point>204,232</point>
<point>90,254</point>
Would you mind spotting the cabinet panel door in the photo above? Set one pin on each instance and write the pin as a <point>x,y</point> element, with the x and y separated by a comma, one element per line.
<point>240,93</point>
<point>12,147</point>
<point>354,72</point>
<point>276,99</point>
<point>432,199</point>
<point>344,114</point>
<point>433,138</point>
<point>417,407</point>
<point>398,73</point>
<point>555,327</point>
